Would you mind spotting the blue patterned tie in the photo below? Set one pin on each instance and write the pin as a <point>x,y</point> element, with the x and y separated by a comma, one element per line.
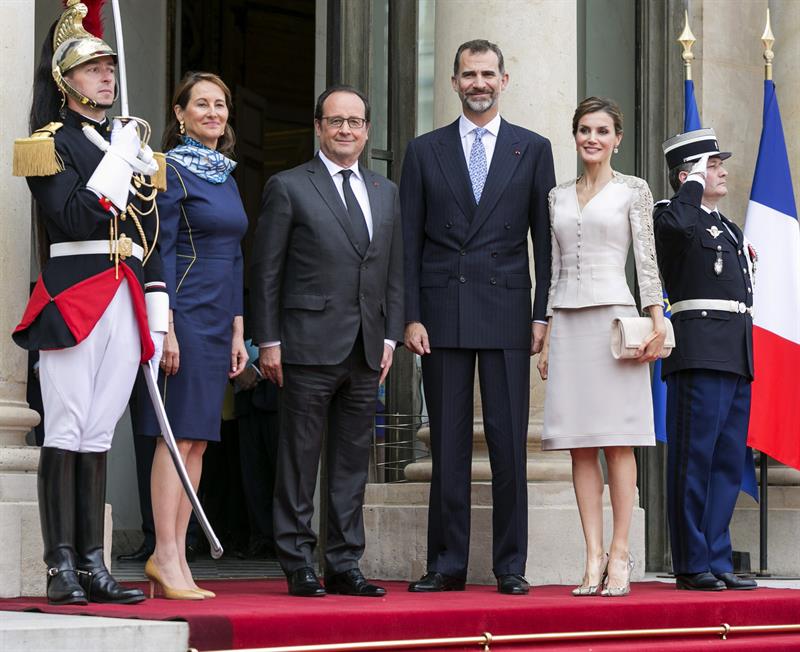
<point>478,169</point>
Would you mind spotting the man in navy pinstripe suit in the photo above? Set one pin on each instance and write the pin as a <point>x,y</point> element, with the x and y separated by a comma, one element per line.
<point>470,193</point>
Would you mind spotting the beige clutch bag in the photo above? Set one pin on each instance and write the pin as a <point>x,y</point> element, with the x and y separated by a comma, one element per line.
<point>628,333</point>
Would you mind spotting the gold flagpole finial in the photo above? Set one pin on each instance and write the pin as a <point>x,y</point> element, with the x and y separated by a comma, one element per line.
<point>768,38</point>
<point>686,39</point>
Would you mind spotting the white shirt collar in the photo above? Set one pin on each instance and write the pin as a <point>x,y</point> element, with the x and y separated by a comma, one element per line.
<point>465,125</point>
<point>709,210</point>
<point>335,168</point>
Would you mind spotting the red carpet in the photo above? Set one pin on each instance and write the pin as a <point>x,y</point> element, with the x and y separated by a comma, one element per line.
<point>259,613</point>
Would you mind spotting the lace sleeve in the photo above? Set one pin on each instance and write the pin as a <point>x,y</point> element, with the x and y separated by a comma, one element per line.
<point>555,269</point>
<point>644,246</point>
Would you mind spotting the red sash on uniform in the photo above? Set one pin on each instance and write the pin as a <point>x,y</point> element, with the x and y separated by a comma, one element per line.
<point>82,305</point>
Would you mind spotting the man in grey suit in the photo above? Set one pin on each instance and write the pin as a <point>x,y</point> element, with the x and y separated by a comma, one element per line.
<point>327,310</point>
<point>471,192</point>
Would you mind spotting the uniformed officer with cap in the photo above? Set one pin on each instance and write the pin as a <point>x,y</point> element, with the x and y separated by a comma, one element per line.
<point>88,315</point>
<point>708,274</point>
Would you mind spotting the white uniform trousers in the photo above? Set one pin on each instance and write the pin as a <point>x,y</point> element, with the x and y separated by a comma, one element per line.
<point>86,388</point>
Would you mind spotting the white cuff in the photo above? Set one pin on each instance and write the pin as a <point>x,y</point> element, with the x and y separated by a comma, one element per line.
<point>157,311</point>
<point>267,345</point>
<point>390,343</point>
<point>112,179</point>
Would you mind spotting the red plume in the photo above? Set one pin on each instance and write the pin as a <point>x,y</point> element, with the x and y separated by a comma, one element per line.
<point>93,23</point>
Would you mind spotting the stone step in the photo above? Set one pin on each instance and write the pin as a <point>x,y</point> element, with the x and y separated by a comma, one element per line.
<point>36,632</point>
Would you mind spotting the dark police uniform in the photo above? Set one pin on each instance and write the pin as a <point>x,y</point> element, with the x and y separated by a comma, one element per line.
<point>704,257</point>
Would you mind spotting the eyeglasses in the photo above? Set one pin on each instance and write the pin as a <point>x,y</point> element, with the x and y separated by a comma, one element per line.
<point>337,122</point>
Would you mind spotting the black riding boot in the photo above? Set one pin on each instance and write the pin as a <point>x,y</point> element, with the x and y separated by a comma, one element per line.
<point>97,581</point>
<point>57,515</point>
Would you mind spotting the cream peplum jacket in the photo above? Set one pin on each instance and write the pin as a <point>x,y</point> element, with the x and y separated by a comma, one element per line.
<point>590,246</point>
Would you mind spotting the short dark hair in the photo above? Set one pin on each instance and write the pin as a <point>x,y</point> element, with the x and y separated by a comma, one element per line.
<point>595,104</point>
<point>479,45</point>
<point>674,180</point>
<point>340,88</point>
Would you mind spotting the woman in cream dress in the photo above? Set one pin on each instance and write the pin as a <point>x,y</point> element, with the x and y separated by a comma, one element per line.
<point>594,401</point>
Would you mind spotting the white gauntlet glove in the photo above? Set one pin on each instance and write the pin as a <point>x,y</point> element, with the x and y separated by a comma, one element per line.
<point>112,176</point>
<point>158,342</point>
<point>700,166</point>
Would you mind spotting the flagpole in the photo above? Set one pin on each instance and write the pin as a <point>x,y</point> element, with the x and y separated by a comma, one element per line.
<point>767,39</point>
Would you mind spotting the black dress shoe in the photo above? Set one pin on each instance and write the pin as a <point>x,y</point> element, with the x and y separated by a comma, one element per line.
<point>512,584</point>
<point>735,582</point>
<point>699,582</point>
<point>352,582</point>
<point>141,554</point>
<point>304,583</point>
<point>433,581</point>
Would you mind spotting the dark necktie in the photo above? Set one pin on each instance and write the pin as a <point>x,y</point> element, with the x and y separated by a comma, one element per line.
<point>357,220</point>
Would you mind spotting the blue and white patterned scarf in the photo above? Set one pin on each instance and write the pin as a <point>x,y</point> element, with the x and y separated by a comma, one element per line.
<point>206,163</point>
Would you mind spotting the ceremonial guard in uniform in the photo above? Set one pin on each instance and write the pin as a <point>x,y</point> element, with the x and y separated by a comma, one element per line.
<point>708,273</point>
<point>88,315</point>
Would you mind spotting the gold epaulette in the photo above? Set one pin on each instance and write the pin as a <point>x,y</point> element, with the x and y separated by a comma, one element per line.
<point>159,179</point>
<point>36,155</point>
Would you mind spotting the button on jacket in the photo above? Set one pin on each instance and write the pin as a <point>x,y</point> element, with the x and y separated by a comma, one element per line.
<point>590,245</point>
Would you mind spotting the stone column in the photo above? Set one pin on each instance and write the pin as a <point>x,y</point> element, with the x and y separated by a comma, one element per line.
<point>20,541</point>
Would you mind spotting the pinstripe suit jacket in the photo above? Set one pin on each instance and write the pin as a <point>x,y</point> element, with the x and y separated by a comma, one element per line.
<point>467,277</point>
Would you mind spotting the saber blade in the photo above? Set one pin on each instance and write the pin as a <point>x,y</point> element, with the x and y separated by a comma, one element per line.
<point>150,375</point>
<point>123,78</point>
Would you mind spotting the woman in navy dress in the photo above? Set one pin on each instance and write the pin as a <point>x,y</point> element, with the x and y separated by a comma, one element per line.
<point>202,224</point>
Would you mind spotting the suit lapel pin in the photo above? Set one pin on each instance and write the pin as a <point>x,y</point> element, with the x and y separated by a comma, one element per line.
<point>375,183</point>
<point>714,231</point>
<point>517,152</point>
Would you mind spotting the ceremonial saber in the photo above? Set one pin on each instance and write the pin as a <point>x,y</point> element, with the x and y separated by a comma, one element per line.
<point>150,371</point>
<point>150,376</point>
<point>123,77</point>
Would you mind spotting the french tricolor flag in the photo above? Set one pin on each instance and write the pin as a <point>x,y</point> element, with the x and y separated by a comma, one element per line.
<point>772,228</point>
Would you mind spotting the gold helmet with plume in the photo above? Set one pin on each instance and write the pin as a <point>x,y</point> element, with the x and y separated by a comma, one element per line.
<point>73,46</point>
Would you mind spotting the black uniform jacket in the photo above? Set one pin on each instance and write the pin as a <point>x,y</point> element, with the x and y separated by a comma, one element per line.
<point>70,293</point>
<point>687,251</point>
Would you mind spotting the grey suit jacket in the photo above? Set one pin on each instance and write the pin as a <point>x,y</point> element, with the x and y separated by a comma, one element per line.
<point>310,287</point>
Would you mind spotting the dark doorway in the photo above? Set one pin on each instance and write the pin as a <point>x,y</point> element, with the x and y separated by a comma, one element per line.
<point>264,51</point>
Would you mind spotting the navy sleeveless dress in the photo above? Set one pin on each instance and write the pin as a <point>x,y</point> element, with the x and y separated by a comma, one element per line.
<point>202,225</point>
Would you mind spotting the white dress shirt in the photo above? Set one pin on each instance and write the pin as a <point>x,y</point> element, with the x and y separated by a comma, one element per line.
<point>356,183</point>
<point>360,191</point>
<point>467,130</point>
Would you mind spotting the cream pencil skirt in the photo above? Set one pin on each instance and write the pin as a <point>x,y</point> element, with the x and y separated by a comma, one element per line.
<point>591,399</point>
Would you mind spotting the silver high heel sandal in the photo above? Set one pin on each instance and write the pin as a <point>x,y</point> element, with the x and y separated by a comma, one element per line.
<point>619,591</point>
<point>592,589</point>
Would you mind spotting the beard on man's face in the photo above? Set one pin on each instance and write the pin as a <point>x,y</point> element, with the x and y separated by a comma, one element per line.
<point>478,106</point>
